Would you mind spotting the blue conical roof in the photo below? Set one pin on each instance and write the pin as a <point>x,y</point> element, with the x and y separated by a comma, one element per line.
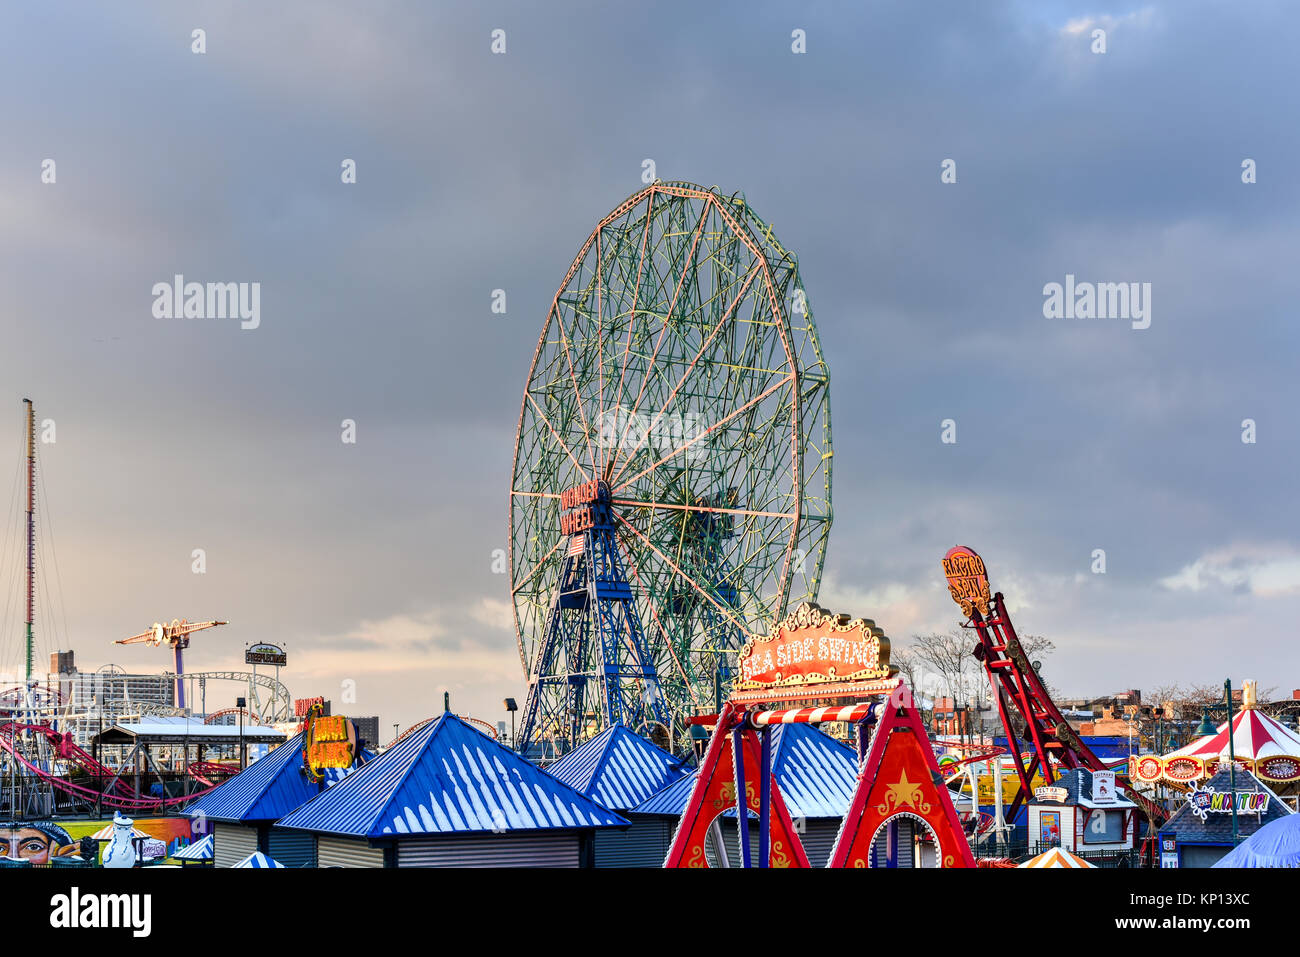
<point>448,778</point>
<point>266,790</point>
<point>618,769</point>
<point>816,775</point>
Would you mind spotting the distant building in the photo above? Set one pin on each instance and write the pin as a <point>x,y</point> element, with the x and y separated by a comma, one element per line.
<point>951,718</point>
<point>367,729</point>
<point>1083,813</point>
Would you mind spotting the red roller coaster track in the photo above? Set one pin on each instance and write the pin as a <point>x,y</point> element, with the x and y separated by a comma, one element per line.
<point>122,795</point>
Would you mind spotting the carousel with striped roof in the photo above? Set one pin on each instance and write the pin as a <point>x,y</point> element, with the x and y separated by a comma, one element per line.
<point>1257,742</point>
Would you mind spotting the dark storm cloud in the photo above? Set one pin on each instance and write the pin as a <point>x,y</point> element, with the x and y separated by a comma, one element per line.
<point>478,172</point>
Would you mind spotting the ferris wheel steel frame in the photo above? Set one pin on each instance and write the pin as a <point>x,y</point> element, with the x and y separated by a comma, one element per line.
<point>714,513</point>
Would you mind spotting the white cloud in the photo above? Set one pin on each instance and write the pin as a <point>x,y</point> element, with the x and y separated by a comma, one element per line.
<point>1082,25</point>
<point>494,614</point>
<point>895,607</point>
<point>1260,570</point>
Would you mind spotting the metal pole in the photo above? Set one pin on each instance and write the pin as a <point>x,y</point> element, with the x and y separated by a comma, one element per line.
<point>31,532</point>
<point>99,767</point>
<point>765,799</point>
<point>742,802</point>
<point>1232,758</point>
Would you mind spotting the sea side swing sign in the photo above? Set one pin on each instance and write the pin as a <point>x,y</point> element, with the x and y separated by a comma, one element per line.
<point>812,656</point>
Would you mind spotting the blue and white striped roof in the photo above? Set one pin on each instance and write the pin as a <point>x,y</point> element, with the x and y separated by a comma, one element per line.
<point>200,850</point>
<point>618,769</point>
<point>448,778</point>
<point>267,789</point>
<point>671,801</point>
<point>258,859</point>
<point>815,772</point>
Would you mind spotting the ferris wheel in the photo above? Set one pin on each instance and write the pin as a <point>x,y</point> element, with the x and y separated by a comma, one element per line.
<point>671,490</point>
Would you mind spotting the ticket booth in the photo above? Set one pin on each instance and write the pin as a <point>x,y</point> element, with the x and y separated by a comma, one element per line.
<point>1084,813</point>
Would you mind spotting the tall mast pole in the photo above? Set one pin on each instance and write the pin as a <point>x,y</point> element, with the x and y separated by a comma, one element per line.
<point>31,529</point>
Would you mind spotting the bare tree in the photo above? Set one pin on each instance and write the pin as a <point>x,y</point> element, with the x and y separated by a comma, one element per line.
<point>941,663</point>
<point>947,655</point>
<point>908,670</point>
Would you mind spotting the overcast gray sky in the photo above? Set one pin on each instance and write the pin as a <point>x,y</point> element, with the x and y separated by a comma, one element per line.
<point>372,562</point>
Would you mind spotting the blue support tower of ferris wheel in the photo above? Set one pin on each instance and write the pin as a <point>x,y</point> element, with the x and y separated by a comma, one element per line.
<point>594,645</point>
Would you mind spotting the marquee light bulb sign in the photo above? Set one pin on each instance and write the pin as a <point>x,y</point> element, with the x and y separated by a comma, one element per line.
<point>968,580</point>
<point>329,741</point>
<point>813,653</point>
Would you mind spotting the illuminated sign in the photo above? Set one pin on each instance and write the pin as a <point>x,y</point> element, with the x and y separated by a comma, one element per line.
<point>302,706</point>
<point>812,654</point>
<point>571,523</point>
<point>329,741</point>
<point>1210,801</point>
<point>579,506</point>
<point>264,654</point>
<point>583,494</point>
<point>968,581</point>
<point>1279,767</point>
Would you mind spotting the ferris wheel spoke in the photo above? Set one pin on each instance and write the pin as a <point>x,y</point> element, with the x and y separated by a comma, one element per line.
<point>697,234</point>
<point>668,644</point>
<point>701,509</point>
<point>721,422</point>
<point>563,444</point>
<point>684,577</point>
<point>541,564</point>
<point>573,377</point>
<point>636,295</point>
<point>726,317</point>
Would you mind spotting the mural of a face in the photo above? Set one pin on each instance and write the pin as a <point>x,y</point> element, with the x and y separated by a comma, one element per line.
<point>35,842</point>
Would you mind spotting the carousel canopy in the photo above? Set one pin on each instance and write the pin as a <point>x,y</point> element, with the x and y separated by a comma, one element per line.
<point>1262,745</point>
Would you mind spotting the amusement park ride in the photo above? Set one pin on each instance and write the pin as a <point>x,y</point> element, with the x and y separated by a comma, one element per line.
<point>46,764</point>
<point>901,796</point>
<point>901,813</point>
<point>177,636</point>
<point>672,472</point>
<point>670,501</point>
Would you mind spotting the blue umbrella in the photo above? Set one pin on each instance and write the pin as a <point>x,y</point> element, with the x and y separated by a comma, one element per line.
<point>1276,844</point>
